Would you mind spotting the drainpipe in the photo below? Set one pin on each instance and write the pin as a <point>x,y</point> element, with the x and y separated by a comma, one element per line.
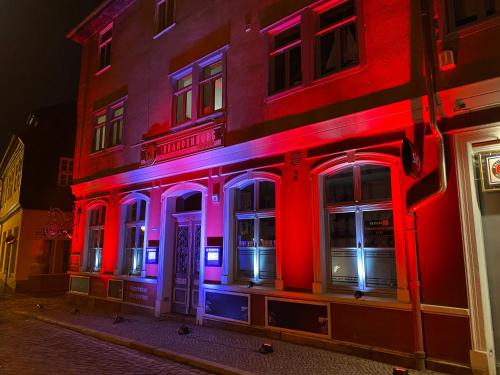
<point>428,42</point>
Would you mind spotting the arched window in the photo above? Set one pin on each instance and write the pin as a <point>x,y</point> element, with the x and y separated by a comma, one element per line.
<point>359,226</point>
<point>254,215</point>
<point>134,237</point>
<point>96,218</point>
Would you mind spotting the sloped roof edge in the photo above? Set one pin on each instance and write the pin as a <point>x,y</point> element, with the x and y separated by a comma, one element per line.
<point>98,19</point>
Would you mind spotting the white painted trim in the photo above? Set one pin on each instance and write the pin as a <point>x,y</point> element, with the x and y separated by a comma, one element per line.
<point>127,199</point>
<point>320,252</point>
<point>228,244</point>
<point>444,310</point>
<point>165,274</point>
<point>474,254</point>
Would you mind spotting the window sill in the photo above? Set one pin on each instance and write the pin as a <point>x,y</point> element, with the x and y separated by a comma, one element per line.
<point>106,151</point>
<point>164,31</point>
<point>199,121</point>
<point>315,83</point>
<point>105,69</point>
<point>339,298</point>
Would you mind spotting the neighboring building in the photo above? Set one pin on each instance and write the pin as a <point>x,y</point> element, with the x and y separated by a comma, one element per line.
<point>36,202</point>
<point>253,162</point>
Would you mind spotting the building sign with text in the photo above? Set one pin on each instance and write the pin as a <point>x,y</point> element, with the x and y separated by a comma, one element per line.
<point>185,143</point>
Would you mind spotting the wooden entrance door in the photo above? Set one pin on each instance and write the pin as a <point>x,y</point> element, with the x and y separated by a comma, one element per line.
<point>187,245</point>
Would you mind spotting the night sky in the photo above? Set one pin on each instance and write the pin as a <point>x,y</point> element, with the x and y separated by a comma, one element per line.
<point>38,65</point>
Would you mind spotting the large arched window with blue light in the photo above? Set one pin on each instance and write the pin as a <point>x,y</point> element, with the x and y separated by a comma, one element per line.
<point>254,213</point>
<point>135,228</point>
<point>96,219</point>
<point>360,229</point>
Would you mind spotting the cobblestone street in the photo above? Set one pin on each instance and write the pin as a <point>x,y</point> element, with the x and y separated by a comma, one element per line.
<point>28,346</point>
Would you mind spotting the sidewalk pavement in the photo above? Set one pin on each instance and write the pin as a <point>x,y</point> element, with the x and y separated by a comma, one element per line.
<point>214,350</point>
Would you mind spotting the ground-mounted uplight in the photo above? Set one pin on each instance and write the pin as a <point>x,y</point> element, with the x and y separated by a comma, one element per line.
<point>183,330</point>
<point>399,371</point>
<point>266,348</point>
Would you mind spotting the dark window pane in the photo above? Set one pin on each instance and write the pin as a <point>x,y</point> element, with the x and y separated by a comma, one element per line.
<point>340,187</point>
<point>342,230</point>
<point>328,53</point>
<point>349,45</point>
<point>267,195</point>
<point>142,216</point>
<point>206,101</point>
<point>378,229</point>
<point>295,66</point>
<point>179,112</point>
<point>245,198</point>
<point>336,14</point>
<point>279,72</point>
<point>465,12</point>
<point>287,37</point>
<point>245,233</point>
<point>212,69</point>
<point>375,182</point>
<point>490,7</point>
<point>267,232</point>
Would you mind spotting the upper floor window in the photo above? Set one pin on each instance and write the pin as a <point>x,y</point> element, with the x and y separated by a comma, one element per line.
<point>164,18</point>
<point>360,228</point>
<point>134,240</point>
<point>95,240</point>
<point>466,12</point>
<point>330,28</point>
<point>285,59</point>
<point>211,88</point>
<point>65,176</point>
<point>255,226</point>
<point>105,37</point>
<point>199,90</point>
<point>336,39</point>
<point>183,99</point>
<point>108,126</point>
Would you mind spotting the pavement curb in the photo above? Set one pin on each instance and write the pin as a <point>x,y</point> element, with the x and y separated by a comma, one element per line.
<point>186,359</point>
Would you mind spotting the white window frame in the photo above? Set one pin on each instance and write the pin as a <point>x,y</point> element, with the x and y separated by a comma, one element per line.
<point>95,205</point>
<point>196,69</point>
<point>65,176</point>
<point>107,128</point>
<point>124,202</point>
<point>308,18</point>
<point>230,251</point>
<point>320,220</point>
<point>105,46</point>
<point>169,19</point>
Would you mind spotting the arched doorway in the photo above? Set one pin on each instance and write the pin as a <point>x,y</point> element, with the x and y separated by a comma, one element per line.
<point>182,239</point>
<point>186,253</point>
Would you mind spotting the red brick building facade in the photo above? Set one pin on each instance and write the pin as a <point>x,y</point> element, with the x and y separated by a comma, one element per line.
<point>281,165</point>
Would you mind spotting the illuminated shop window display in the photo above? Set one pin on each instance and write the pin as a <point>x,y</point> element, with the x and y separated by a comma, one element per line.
<point>360,229</point>
<point>255,225</point>
<point>135,228</point>
<point>97,217</point>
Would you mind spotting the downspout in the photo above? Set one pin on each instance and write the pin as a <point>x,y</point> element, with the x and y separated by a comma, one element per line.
<point>428,44</point>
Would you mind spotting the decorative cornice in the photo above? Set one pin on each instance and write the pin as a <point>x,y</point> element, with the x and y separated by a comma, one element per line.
<point>99,18</point>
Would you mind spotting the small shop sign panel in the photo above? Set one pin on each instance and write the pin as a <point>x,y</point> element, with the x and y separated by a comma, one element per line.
<point>213,256</point>
<point>152,255</point>
<point>140,293</point>
<point>490,170</point>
